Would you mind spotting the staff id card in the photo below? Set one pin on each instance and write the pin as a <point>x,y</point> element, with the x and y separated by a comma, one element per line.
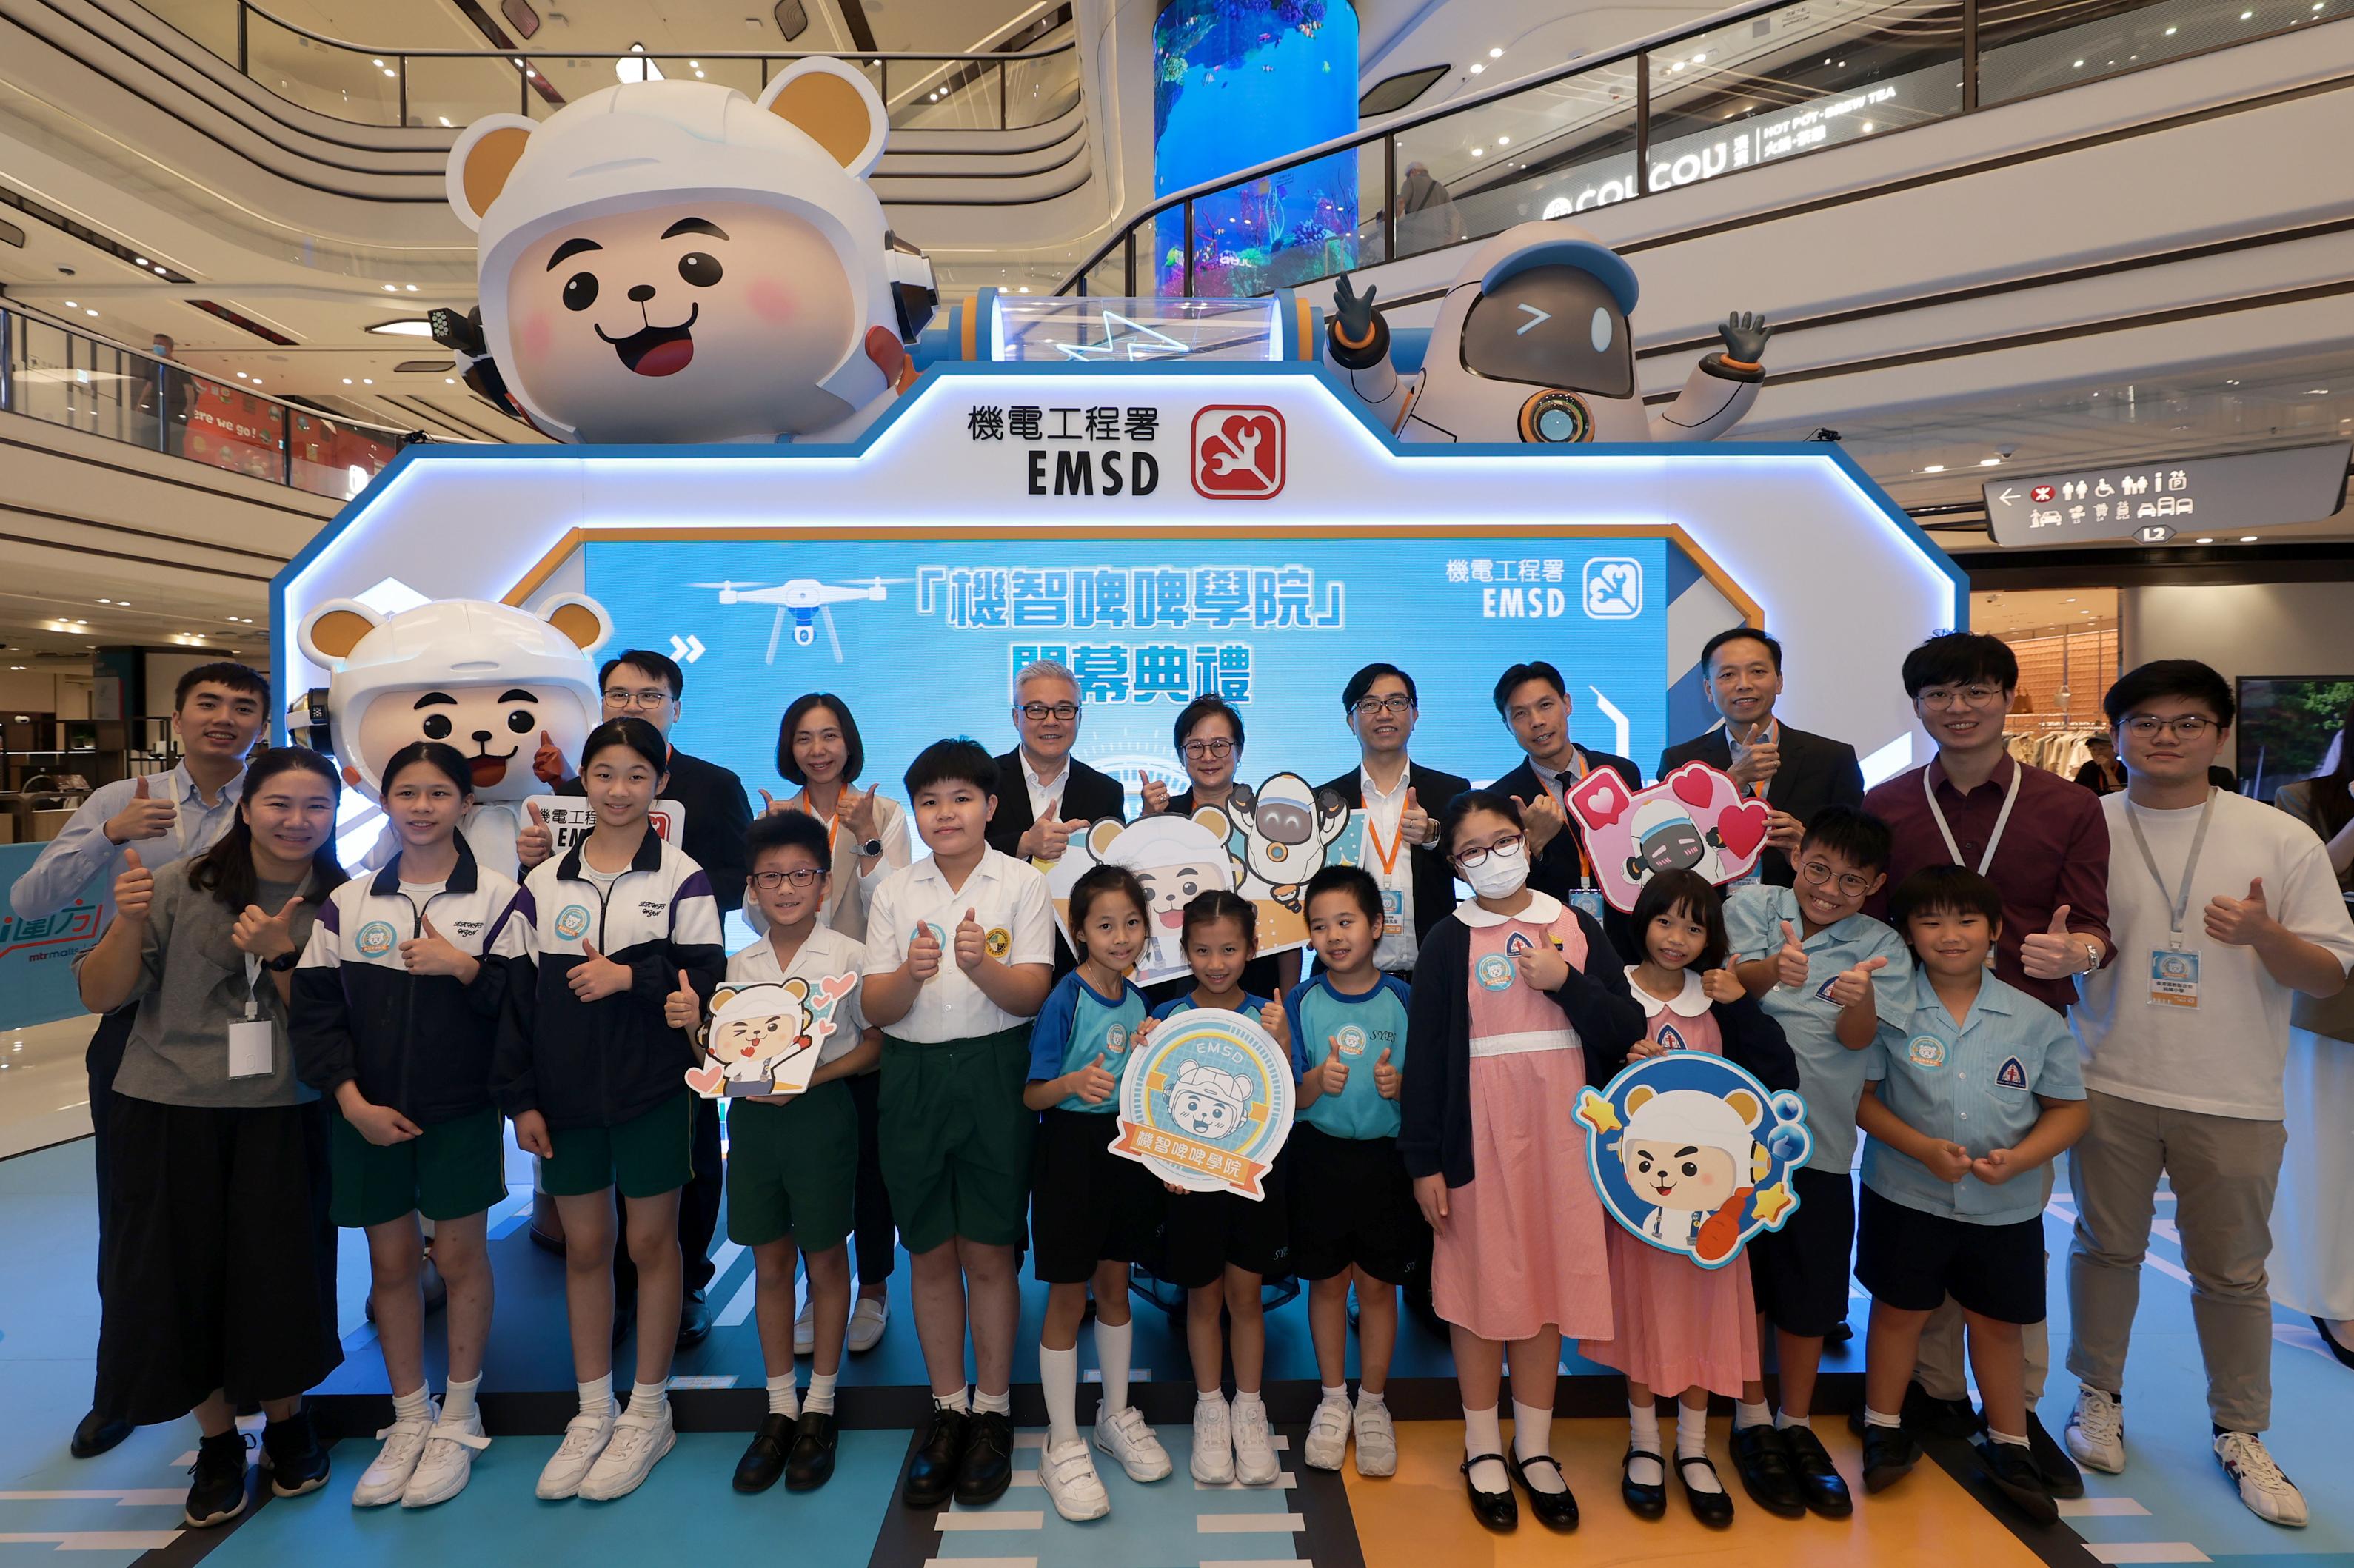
<point>1393,911</point>
<point>2174,979</point>
<point>249,1037</point>
<point>1586,901</point>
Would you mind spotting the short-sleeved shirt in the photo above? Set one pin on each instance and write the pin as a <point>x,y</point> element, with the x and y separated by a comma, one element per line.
<point>1251,1007</point>
<point>1360,1028</point>
<point>1979,1083</point>
<point>1831,1076</point>
<point>824,954</point>
<point>1009,901</point>
<point>1075,1024</point>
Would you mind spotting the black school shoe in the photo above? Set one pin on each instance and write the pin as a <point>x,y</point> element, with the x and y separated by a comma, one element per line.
<point>1554,1511</point>
<point>95,1433</point>
<point>1643,1501</point>
<point>932,1473</point>
<point>1819,1480</point>
<point>1925,1413</point>
<point>764,1457</point>
<point>2012,1468</point>
<point>217,1495</point>
<point>2060,1477</point>
<point>2345,1353</point>
<point>298,1461</point>
<point>1764,1463</point>
<point>986,1468</point>
<point>1889,1455</point>
<point>1712,1509</point>
<point>811,1465</point>
<point>694,1320</point>
<point>1498,1510</point>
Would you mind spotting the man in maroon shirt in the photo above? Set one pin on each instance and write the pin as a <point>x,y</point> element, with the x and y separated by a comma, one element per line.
<point>2042,841</point>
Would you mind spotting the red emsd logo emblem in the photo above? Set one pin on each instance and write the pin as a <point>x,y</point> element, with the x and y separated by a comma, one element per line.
<point>1238,454</point>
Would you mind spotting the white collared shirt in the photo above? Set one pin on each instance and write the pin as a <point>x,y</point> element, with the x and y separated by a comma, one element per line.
<point>1010,900</point>
<point>1043,789</point>
<point>1396,951</point>
<point>1689,1002</point>
<point>82,860</point>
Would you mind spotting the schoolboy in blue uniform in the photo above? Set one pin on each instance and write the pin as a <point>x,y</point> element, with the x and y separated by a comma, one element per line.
<point>1968,1101</point>
<point>1830,975</point>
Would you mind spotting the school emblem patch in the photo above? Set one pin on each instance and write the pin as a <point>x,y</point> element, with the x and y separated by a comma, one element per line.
<point>2011,1074</point>
<point>1925,1051</point>
<point>999,942</point>
<point>376,938</point>
<point>572,921</point>
<point>1493,971</point>
<point>1352,1040</point>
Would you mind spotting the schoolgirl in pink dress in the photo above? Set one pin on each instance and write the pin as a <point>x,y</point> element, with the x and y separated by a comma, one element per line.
<point>1519,1002</point>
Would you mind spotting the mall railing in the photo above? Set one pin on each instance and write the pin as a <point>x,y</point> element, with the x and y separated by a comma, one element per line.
<point>1770,82</point>
<point>61,376</point>
<point>1030,79</point>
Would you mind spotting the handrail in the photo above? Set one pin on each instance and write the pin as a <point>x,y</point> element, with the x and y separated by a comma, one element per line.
<point>55,371</point>
<point>1640,115</point>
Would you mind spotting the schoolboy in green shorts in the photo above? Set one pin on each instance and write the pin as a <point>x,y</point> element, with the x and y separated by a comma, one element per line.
<point>959,954</point>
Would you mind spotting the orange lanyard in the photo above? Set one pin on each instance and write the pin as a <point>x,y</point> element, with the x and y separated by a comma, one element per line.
<point>832,824</point>
<point>1560,794</point>
<point>1387,857</point>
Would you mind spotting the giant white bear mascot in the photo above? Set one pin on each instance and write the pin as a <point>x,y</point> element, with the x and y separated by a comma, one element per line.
<point>674,261</point>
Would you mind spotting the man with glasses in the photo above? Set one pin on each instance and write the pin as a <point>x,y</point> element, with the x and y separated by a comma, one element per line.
<point>641,684</point>
<point>1402,801</point>
<point>1060,794</point>
<point>2224,911</point>
<point>2042,841</point>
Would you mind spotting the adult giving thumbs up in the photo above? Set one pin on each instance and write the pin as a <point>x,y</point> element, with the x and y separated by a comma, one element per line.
<point>1849,986</point>
<point>1049,835</point>
<point>534,841</point>
<point>597,977</point>
<point>144,817</point>
<point>134,890</point>
<point>263,935</point>
<point>2053,952</point>
<point>2240,922</point>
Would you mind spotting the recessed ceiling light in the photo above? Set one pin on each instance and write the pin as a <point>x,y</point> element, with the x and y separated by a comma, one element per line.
<point>2310,391</point>
<point>89,312</point>
<point>367,381</point>
<point>1990,462</point>
<point>1479,151</point>
<point>2171,31</point>
<point>388,288</point>
<point>347,381</point>
<point>1503,141</point>
<point>73,305</point>
<point>1476,69</point>
<point>1499,54</point>
<point>1934,468</point>
<point>449,381</point>
<point>410,326</point>
<point>2207,538</point>
<point>2247,538</point>
<point>106,601</point>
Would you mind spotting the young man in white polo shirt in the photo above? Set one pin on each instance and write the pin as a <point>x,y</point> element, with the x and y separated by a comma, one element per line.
<point>959,954</point>
<point>2221,908</point>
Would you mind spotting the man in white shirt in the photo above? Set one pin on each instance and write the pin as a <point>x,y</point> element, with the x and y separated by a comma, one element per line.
<point>2221,908</point>
<point>1403,803</point>
<point>216,711</point>
<point>1060,795</point>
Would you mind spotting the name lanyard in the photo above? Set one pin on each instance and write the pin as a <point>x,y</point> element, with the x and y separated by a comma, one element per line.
<point>832,823</point>
<point>1772,735</point>
<point>2009,798</point>
<point>1557,786</point>
<point>2178,904</point>
<point>1388,857</point>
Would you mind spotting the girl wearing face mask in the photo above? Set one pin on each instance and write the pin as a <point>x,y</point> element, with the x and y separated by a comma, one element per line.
<point>1518,1003</point>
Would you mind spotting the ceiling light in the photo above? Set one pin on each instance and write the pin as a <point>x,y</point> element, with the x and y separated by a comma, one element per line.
<point>2080,65</point>
<point>445,119</point>
<point>2247,538</point>
<point>2207,538</point>
<point>1990,462</point>
<point>106,601</point>
<point>410,287</point>
<point>1677,67</point>
<point>366,381</point>
<point>73,305</point>
<point>376,62</point>
<point>388,288</point>
<point>347,381</point>
<point>2069,599</point>
<point>1479,151</point>
<point>241,375</point>
<point>1503,141</point>
<point>1499,54</point>
<point>1478,69</point>
<point>407,326</point>
<point>2310,391</point>
<point>257,381</point>
<point>2171,31</point>
<point>2245,14</point>
<point>89,313</point>
<point>1701,59</point>
<point>449,381</point>
<point>1934,468</point>
<point>695,65</point>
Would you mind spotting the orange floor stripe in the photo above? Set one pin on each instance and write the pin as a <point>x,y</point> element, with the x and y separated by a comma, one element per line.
<point>1418,1517</point>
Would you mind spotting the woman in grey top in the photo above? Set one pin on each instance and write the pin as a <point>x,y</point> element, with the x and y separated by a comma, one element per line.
<point>219,1260</point>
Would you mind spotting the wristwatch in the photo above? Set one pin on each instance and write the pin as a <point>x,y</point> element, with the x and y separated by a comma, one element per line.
<point>2092,959</point>
<point>872,849</point>
<point>283,961</point>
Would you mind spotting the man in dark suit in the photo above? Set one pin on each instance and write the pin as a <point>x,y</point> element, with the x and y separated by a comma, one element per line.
<point>1795,773</point>
<point>1403,803</point>
<point>1060,795</point>
<point>1534,705</point>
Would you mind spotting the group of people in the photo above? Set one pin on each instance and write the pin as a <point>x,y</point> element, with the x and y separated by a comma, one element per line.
<point>1953,966</point>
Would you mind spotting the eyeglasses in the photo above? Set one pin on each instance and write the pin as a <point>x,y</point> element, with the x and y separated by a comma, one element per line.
<point>1977,694</point>
<point>1396,703</point>
<point>2190,726</point>
<point>1220,748</point>
<point>1039,713</point>
<point>1818,873</point>
<point>1508,844</point>
<point>769,881</point>
<point>652,697</point>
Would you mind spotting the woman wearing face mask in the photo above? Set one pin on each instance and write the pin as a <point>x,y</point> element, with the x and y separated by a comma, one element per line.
<point>1518,1003</point>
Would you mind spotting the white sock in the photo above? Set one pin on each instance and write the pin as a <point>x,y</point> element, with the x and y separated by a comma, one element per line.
<point>2019,1441</point>
<point>1745,1416</point>
<point>1247,1402</point>
<point>1692,1443</point>
<point>1532,1436</point>
<point>1058,1377</point>
<point>1202,1401</point>
<point>653,1398</point>
<point>783,1397</point>
<point>1483,1434</point>
<point>597,1397</point>
<point>1788,1419</point>
<point>1643,1432</point>
<point>1368,1400</point>
<point>1875,1418</point>
<point>960,1401</point>
<point>1114,1343</point>
<point>820,1400</point>
<point>457,1400</point>
<point>998,1404</point>
<point>1335,1393</point>
<point>416,1405</point>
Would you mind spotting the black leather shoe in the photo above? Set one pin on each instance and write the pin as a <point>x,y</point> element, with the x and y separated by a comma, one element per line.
<point>95,1433</point>
<point>1889,1455</point>
<point>1925,1413</point>
<point>1643,1501</point>
<point>811,1462</point>
<point>2345,1353</point>
<point>1554,1511</point>
<point>1820,1482</point>
<point>1712,1509</point>
<point>298,1461</point>
<point>932,1473</point>
<point>764,1457</point>
<point>986,1469</point>
<point>1840,1333</point>
<point>1764,1463</point>
<point>2013,1470</point>
<point>694,1320</point>
<point>2060,1477</point>
<point>1497,1510</point>
<point>217,1495</point>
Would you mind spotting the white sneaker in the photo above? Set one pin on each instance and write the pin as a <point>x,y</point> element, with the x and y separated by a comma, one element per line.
<point>2096,1431</point>
<point>805,1325</point>
<point>448,1461</point>
<point>1328,1435</point>
<point>1123,1434</point>
<point>387,1473</point>
<point>1255,1461</point>
<point>1214,1443</point>
<point>640,1438</point>
<point>1376,1440</point>
<point>585,1436</point>
<point>2269,1495</point>
<point>1068,1474</point>
<point>868,1317</point>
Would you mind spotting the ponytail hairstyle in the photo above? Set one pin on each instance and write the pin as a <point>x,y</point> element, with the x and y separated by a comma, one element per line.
<point>225,870</point>
<point>1218,904</point>
<point>439,755</point>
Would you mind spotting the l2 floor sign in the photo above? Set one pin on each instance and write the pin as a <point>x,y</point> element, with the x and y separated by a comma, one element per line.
<point>2156,501</point>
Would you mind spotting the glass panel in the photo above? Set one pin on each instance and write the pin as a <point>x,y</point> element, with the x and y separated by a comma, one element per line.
<point>345,83</point>
<point>742,75</point>
<point>941,94</point>
<point>64,378</point>
<point>1277,231</point>
<point>1371,243</point>
<point>333,459</point>
<point>1108,279</point>
<point>1556,149</point>
<point>233,429</point>
<point>1801,79</point>
<point>2033,46</point>
<point>212,23</point>
<point>455,93</point>
<point>573,77</point>
<point>1039,91</point>
<point>1035,329</point>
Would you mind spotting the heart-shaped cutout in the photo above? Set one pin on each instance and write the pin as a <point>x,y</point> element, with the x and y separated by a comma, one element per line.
<point>1695,786</point>
<point>1742,828</point>
<point>706,1081</point>
<point>1602,800</point>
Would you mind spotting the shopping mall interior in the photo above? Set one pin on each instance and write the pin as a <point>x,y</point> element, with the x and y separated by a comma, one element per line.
<point>1079,376</point>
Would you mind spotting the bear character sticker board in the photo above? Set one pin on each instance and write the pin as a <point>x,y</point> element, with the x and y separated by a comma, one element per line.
<point>1207,1103</point>
<point>1692,1154</point>
<point>763,1039</point>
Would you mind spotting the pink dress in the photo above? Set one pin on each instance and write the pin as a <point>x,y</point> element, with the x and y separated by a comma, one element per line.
<point>1680,1326</point>
<point>1523,1248</point>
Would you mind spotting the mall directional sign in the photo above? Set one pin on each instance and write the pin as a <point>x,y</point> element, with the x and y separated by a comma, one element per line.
<point>2153,503</point>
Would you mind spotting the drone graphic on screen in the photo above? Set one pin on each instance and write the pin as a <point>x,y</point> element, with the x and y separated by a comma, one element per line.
<point>807,600</point>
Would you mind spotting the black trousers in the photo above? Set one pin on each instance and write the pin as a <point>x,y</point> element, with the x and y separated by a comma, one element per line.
<point>699,1212</point>
<point>102,1061</point>
<point>877,1237</point>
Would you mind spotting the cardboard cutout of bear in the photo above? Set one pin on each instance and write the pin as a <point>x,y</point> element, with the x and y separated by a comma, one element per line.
<point>1694,818</point>
<point>1174,857</point>
<point>1206,1102</point>
<point>1694,1155</point>
<point>764,1038</point>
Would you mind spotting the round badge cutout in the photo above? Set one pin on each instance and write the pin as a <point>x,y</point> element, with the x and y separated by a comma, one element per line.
<point>1493,971</point>
<point>376,938</point>
<point>572,921</point>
